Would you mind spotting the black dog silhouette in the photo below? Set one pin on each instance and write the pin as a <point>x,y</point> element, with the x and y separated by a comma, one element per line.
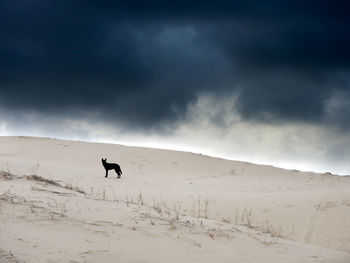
<point>111,166</point>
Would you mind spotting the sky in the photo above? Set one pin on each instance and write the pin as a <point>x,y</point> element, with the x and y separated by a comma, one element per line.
<point>259,81</point>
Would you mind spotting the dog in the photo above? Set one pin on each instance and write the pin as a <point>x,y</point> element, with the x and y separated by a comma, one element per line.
<point>111,166</point>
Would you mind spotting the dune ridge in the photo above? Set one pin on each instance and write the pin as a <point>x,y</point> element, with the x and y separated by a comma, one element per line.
<point>190,206</point>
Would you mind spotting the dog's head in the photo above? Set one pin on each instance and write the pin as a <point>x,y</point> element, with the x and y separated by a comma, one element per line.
<point>104,161</point>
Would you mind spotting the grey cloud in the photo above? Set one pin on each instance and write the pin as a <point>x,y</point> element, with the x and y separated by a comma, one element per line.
<point>140,64</point>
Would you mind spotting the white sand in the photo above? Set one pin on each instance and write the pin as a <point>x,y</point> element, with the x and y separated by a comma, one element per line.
<point>168,207</point>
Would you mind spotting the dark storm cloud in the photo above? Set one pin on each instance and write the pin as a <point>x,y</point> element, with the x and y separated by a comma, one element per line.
<point>142,62</point>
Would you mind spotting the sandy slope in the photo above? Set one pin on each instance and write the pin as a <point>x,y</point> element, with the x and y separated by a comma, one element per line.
<point>168,206</point>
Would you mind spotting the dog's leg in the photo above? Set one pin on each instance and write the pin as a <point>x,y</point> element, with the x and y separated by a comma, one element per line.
<point>106,173</point>
<point>118,173</point>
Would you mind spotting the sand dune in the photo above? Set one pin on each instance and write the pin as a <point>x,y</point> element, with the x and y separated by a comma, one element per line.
<point>56,206</point>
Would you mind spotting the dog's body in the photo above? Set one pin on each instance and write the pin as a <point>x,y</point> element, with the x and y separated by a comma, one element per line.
<point>111,166</point>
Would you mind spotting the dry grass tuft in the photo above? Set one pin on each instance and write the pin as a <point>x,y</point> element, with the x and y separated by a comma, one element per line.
<point>73,188</point>
<point>6,176</point>
<point>40,179</point>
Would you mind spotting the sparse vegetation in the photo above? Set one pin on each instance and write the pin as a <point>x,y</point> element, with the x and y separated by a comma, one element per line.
<point>40,179</point>
<point>206,203</point>
<point>157,207</point>
<point>140,199</point>
<point>74,188</point>
<point>177,209</point>
<point>199,206</point>
<point>57,210</point>
<point>247,217</point>
<point>6,176</point>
